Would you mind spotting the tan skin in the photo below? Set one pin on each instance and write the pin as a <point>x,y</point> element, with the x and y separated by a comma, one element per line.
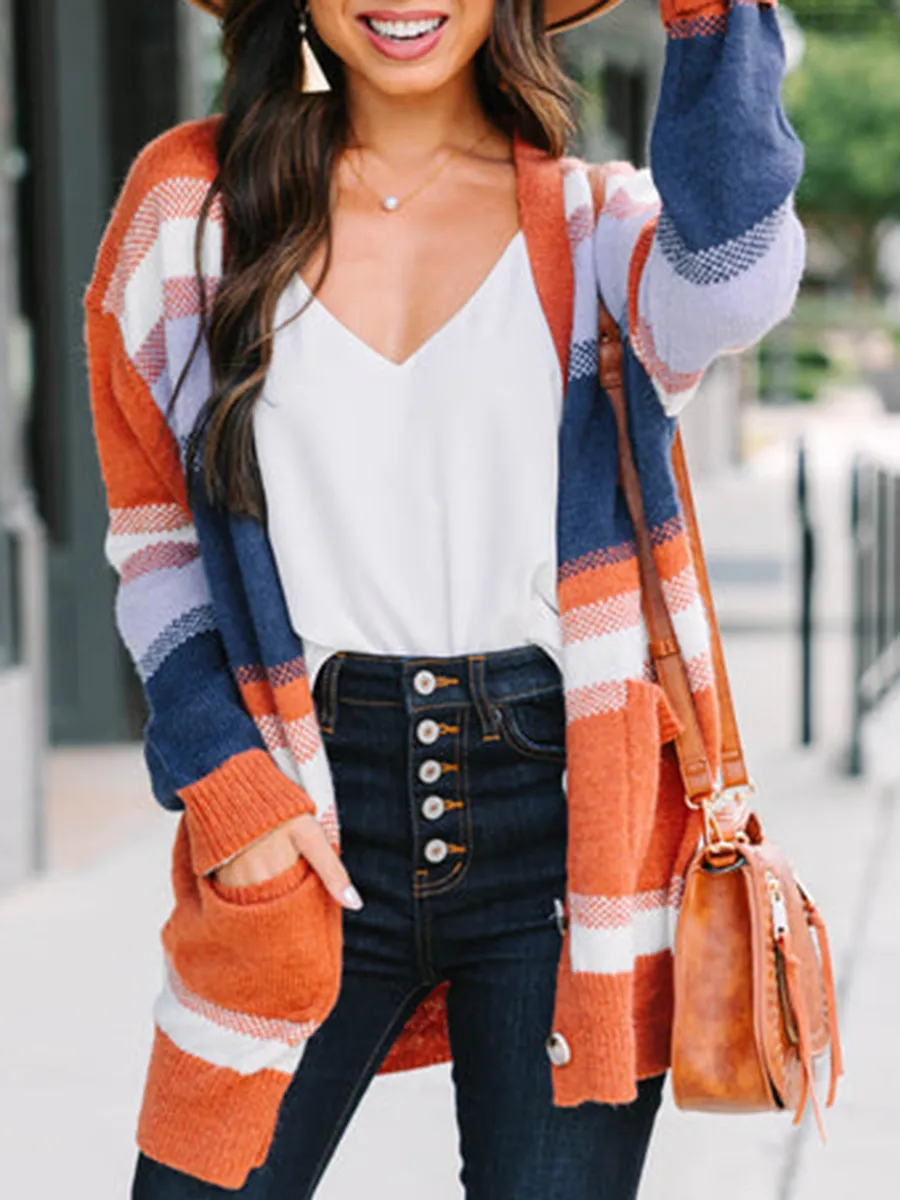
<point>396,278</point>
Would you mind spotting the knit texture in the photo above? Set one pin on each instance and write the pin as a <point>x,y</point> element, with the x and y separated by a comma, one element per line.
<point>700,257</point>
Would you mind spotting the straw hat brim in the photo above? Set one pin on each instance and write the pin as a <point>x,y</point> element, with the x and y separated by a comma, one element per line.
<point>561,14</point>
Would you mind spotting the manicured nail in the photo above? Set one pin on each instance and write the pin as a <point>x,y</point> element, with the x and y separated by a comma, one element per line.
<point>350,898</point>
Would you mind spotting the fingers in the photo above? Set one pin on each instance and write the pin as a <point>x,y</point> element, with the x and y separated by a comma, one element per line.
<point>261,861</point>
<point>309,839</point>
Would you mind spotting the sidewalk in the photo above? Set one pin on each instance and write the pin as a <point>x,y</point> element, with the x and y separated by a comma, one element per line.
<point>81,968</point>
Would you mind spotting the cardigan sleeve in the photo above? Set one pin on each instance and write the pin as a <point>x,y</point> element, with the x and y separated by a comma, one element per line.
<point>703,253</point>
<point>203,749</point>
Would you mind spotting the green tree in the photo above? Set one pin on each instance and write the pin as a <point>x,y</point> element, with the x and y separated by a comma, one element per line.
<point>844,102</point>
<point>847,16</point>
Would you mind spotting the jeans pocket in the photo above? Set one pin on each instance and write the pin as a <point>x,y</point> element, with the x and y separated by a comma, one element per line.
<point>270,950</point>
<point>535,726</point>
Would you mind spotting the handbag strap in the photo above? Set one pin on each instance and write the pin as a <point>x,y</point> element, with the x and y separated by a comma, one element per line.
<point>696,771</point>
<point>734,765</point>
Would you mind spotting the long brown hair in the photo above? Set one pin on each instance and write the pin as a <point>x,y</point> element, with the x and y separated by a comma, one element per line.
<point>277,152</point>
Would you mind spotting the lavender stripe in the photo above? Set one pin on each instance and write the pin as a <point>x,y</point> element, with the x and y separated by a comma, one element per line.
<point>691,325</point>
<point>720,264</point>
<point>148,604</point>
<point>584,312</point>
<point>180,336</point>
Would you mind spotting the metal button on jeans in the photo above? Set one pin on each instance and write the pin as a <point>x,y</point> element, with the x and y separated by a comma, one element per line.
<point>430,770</point>
<point>558,1050</point>
<point>428,731</point>
<point>424,682</point>
<point>433,807</point>
<point>436,850</point>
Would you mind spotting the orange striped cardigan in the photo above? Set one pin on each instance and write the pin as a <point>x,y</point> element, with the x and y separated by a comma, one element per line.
<point>233,740</point>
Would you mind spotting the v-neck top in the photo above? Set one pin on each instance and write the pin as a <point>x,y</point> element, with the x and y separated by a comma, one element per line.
<point>411,506</point>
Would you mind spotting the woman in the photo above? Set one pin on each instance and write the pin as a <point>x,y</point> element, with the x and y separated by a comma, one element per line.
<point>376,573</point>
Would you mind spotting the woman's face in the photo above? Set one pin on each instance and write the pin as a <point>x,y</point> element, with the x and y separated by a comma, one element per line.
<point>408,49</point>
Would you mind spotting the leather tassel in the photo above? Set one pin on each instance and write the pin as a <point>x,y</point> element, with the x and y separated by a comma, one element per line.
<point>837,1054</point>
<point>313,76</point>
<point>808,1093</point>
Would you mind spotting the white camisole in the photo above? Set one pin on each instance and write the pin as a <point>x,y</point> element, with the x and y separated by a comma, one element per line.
<point>412,507</point>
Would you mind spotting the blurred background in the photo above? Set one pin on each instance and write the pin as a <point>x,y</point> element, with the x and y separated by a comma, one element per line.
<point>795,450</point>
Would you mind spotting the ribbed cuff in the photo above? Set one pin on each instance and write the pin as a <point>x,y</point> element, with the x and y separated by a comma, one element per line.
<point>238,802</point>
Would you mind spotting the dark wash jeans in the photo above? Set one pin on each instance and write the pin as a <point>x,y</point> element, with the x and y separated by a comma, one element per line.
<point>454,832</point>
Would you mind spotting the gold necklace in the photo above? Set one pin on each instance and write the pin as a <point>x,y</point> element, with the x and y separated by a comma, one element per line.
<point>392,202</point>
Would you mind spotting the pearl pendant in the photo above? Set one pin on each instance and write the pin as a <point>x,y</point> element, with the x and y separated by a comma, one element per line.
<point>390,203</point>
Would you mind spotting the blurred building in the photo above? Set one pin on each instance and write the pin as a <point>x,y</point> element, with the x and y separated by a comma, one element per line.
<point>94,80</point>
<point>21,550</point>
<point>617,62</point>
<point>83,85</point>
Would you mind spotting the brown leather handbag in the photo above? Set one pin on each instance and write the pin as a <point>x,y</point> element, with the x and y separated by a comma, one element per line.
<point>754,986</point>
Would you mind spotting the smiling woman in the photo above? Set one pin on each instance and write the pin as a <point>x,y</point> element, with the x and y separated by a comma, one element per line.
<point>379,580</point>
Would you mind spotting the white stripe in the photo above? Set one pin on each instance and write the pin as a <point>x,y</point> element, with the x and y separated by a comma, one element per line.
<point>576,191</point>
<point>284,760</point>
<point>615,238</point>
<point>613,951</point>
<point>615,657</point>
<point>638,186</point>
<point>313,774</point>
<point>119,547</point>
<point>592,701</point>
<point>171,257</point>
<point>691,630</point>
<point>611,658</point>
<point>303,737</point>
<point>219,1046</point>
<point>318,781</point>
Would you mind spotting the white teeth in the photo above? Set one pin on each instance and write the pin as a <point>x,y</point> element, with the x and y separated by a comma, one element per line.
<point>404,30</point>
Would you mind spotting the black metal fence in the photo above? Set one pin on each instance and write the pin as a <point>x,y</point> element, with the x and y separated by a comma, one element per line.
<point>10,639</point>
<point>807,595</point>
<point>876,594</point>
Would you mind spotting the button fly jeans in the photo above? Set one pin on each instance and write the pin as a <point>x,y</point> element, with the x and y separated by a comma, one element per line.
<point>453,823</point>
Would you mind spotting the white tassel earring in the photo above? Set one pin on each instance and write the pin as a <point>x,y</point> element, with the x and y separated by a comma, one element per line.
<point>313,76</point>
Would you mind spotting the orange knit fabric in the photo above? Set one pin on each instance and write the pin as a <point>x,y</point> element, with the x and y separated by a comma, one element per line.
<point>278,956</point>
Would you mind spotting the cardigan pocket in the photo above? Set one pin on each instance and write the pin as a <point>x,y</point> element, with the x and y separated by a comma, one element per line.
<point>268,952</point>
<point>270,889</point>
<point>649,724</point>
